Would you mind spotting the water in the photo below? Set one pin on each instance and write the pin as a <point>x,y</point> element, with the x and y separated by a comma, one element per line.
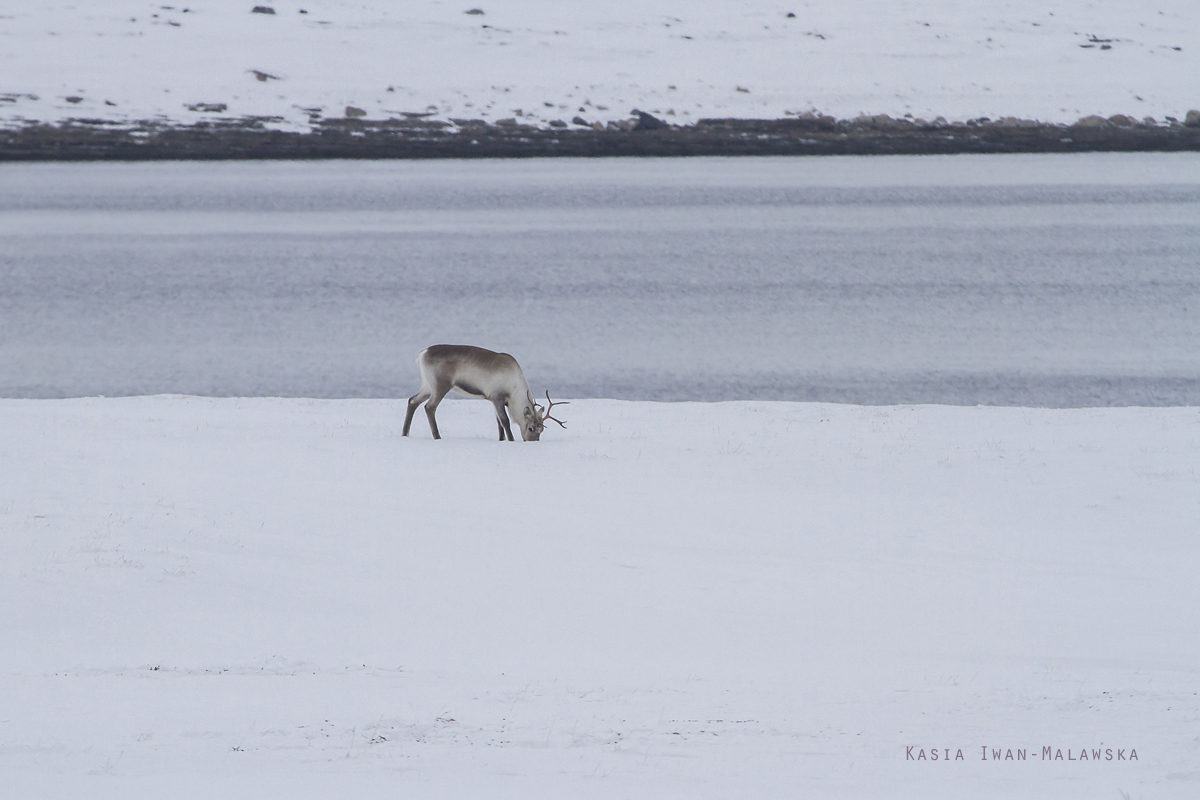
<point>1058,280</point>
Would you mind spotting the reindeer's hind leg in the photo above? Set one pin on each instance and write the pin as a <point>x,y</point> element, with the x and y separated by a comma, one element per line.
<point>420,397</point>
<point>439,391</point>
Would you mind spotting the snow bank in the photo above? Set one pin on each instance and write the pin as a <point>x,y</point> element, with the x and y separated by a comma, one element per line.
<point>283,598</point>
<point>538,61</point>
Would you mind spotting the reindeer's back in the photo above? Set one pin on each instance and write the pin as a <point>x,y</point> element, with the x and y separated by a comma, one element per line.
<point>451,359</point>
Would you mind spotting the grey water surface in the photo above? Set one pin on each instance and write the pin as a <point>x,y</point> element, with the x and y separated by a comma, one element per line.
<point>1044,280</point>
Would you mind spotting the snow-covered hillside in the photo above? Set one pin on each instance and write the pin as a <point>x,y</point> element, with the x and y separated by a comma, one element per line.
<point>284,598</point>
<point>540,61</point>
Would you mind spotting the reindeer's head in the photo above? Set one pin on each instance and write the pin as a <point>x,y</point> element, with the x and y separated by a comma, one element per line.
<point>531,423</point>
<point>534,420</point>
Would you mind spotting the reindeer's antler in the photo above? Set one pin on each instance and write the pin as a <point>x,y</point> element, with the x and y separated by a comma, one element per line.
<point>544,413</point>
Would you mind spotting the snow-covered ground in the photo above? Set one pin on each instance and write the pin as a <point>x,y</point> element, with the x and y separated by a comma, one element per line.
<point>538,60</point>
<point>284,598</point>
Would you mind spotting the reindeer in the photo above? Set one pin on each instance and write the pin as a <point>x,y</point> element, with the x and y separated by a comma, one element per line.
<point>476,372</point>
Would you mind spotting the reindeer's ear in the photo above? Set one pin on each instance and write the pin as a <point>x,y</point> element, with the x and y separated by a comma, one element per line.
<point>528,412</point>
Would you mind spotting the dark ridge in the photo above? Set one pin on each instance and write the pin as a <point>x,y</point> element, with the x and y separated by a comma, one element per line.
<point>645,135</point>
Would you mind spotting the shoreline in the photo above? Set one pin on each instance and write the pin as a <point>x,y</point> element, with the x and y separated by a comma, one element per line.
<point>644,135</point>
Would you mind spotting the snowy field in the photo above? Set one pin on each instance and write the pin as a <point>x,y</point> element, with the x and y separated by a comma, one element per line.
<point>537,61</point>
<point>284,598</point>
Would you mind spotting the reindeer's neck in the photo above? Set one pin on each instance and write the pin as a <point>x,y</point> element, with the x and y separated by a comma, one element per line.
<point>518,401</point>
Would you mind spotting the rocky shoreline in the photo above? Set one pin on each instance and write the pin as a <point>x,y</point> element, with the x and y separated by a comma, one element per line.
<point>415,136</point>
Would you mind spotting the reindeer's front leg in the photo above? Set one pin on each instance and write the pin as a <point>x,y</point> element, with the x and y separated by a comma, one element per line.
<point>502,419</point>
